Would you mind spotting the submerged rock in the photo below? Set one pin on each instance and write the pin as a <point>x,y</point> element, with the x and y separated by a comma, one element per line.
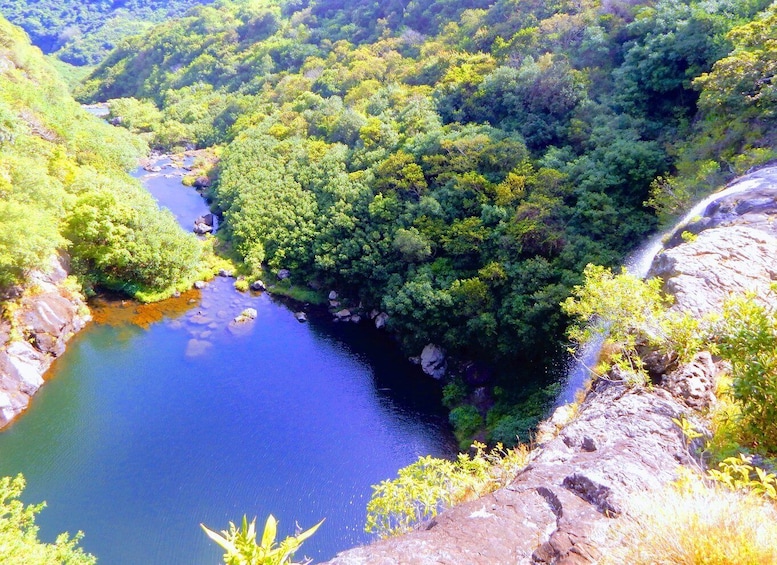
<point>197,347</point>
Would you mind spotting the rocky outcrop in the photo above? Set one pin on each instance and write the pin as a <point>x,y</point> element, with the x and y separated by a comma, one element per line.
<point>622,441</point>
<point>558,510</point>
<point>44,318</point>
<point>732,249</point>
<point>719,262</point>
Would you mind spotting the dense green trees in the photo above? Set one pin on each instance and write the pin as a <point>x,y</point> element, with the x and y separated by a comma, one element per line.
<point>64,187</point>
<point>458,180</point>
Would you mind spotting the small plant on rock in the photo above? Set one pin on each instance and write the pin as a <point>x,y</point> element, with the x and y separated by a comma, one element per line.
<point>240,546</point>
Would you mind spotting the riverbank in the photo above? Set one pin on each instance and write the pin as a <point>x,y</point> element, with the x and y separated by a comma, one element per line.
<point>35,327</point>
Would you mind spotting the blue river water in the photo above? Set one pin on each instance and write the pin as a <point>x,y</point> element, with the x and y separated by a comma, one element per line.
<point>159,418</point>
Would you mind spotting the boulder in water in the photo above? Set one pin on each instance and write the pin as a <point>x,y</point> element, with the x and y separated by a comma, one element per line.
<point>433,361</point>
<point>381,319</point>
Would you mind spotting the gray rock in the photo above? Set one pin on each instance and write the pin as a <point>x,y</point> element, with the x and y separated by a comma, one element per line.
<point>702,273</point>
<point>433,361</point>
<point>225,273</point>
<point>247,314</point>
<point>283,274</point>
<point>694,383</point>
<point>201,182</point>
<point>199,285</point>
<point>258,285</point>
<point>343,314</point>
<point>301,316</point>
<point>47,318</point>
<point>355,319</point>
<point>332,295</point>
<point>381,319</point>
<point>559,509</point>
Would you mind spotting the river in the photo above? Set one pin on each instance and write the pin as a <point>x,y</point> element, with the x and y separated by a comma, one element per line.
<point>159,418</point>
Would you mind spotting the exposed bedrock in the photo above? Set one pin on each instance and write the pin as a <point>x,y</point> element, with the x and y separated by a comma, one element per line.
<point>47,315</point>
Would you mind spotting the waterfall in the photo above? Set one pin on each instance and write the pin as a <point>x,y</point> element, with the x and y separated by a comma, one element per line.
<point>638,263</point>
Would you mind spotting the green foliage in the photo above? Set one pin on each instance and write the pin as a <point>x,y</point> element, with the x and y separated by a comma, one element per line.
<point>19,533</point>
<point>623,308</point>
<point>739,473</point>
<point>430,485</point>
<point>241,548</point>
<point>82,33</point>
<point>747,338</point>
<point>466,421</point>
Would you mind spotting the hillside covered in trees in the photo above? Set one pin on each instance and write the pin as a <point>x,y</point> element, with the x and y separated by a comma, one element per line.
<point>64,187</point>
<point>455,165</point>
<point>83,32</point>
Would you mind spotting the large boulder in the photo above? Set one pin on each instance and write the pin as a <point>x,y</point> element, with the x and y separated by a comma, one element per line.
<point>719,262</point>
<point>381,319</point>
<point>433,361</point>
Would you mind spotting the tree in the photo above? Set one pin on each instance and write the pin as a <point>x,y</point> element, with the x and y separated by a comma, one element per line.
<point>19,533</point>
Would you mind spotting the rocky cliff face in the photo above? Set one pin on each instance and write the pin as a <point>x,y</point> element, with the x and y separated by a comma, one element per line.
<point>622,441</point>
<point>33,333</point>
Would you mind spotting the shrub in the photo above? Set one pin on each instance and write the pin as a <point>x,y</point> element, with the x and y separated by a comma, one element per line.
<point>430,485</point>
<point>747,338</point>
<point>466,421</point>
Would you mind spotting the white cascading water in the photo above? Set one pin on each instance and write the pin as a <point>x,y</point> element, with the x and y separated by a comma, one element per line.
<point>638,263</point>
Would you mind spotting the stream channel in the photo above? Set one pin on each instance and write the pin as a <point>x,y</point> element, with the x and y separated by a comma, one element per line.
<point>161,417</point>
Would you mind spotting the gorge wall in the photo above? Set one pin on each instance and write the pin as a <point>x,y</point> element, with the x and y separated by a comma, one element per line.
<point>33,332</point>
<point>619,441</point>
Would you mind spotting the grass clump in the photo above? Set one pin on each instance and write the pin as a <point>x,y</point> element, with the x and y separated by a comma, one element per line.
<point>692,523</point>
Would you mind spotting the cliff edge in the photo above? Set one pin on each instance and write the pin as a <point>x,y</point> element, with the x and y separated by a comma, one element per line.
<point>33,331</point>
<point>621,441</point>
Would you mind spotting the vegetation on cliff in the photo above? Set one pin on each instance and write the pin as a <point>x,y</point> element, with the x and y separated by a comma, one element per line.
<point>64,187</point>
<point>724,513</point>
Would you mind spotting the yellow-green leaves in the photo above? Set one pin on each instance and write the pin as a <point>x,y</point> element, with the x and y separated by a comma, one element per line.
<point>430,485</point>
<point>240,547</point>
